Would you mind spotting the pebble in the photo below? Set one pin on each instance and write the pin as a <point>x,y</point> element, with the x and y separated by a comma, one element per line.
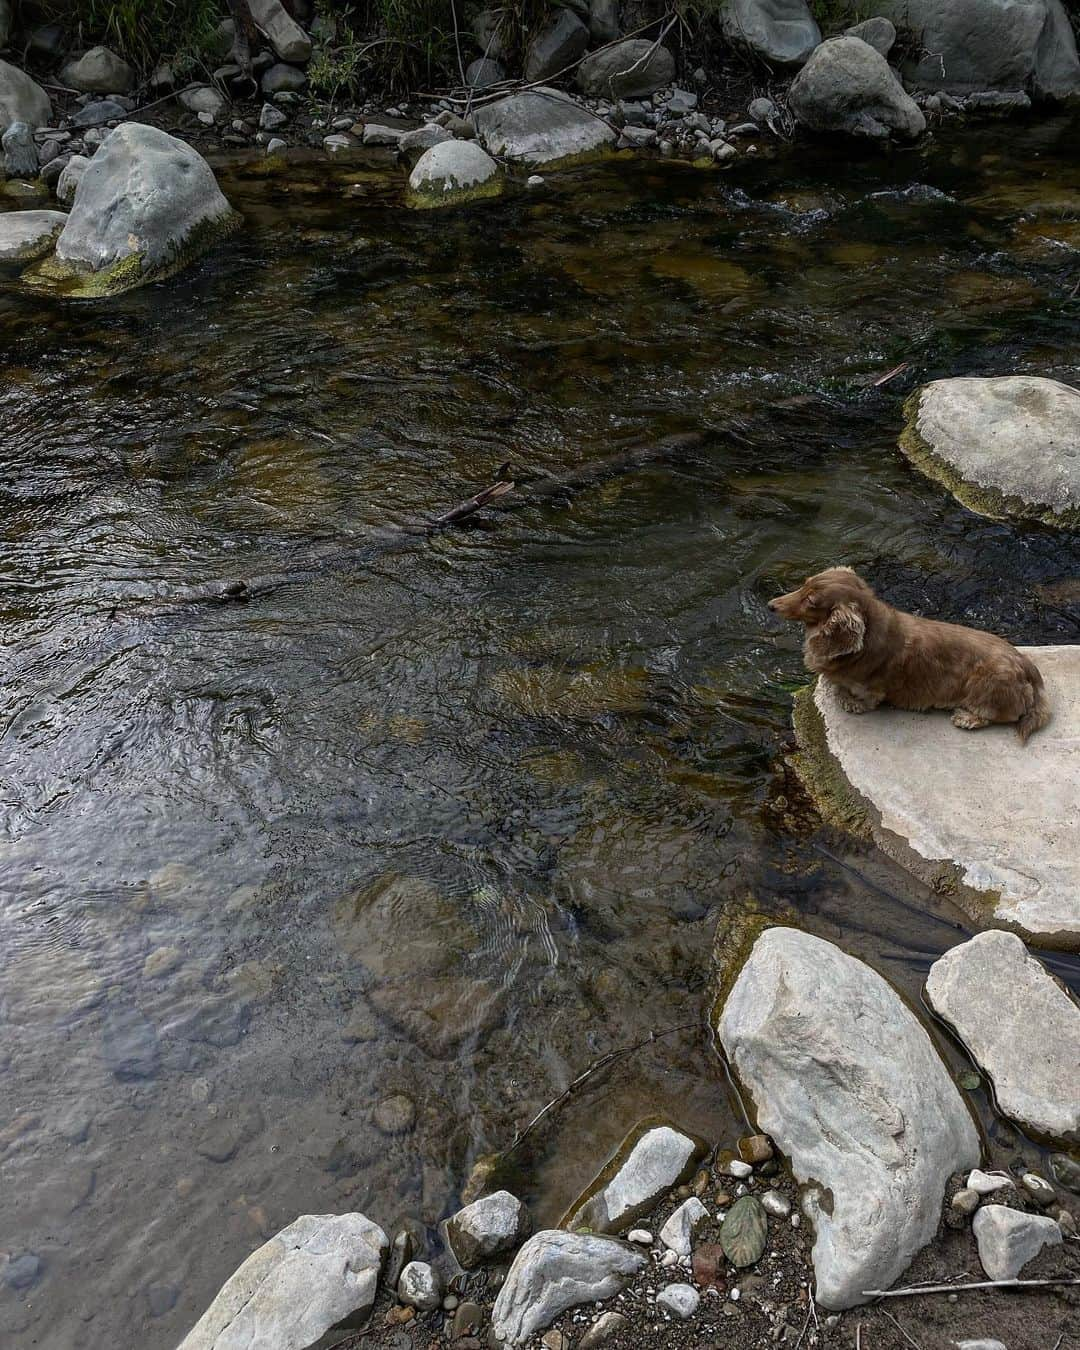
<point>795,1221</point>
<point>966,1200</point>
<point>641,1236</point>
<point>739,1169</point>
<point>669,1259</point>
<point>682,1300</point>
<point>755,1148</point>
<point>1038,1188</point>
<point>275,145</point>
<point>468,1317</point>
<point>206,118</point>
<point>985,1183</point>
<point>271,118</point>
<point>22,1270</point>
<point>395,1115</point>
<point>606,1325</point>
<point>779,1206</point>
<point>554,1340</point>
<point>534,181</point>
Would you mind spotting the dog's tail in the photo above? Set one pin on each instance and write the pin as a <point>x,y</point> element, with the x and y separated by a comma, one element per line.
<point>1037,714</point>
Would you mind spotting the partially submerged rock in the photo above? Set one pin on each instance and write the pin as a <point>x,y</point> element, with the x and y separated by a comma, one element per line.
<point>948,804</point>
<point>555,1271</point>
<point>1019,1026</point>
<point>1008,1239</point>
<point>781,31</point>
<point>542,128</point>
<point>494,1224</point>
<point>452,173</point>
<point>848,1083</point>
<point>632,68</point>
<point>1004,445</point>
<point>146,206</point>
<point>319,1272</point>
<point>21,100</point>
<point>652,1160</point>
<point>25,235</point>
<point>846,86</point>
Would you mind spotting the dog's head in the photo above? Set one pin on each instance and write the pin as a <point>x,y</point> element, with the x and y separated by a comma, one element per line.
<point>833,606</point>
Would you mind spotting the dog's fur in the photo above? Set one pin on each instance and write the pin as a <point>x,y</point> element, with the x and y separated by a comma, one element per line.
<point>875,654</point>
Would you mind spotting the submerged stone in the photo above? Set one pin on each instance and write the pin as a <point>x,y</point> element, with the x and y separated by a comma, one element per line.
<point>1019,1026</point>
<point>945,803</point>
<point>1003,445</point>
<point>147,205</point>
<point>849,1084</point>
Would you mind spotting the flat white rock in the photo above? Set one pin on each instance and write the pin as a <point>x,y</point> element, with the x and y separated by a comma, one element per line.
<point>554,1271</point>
<point>541,127</point>
<point>1019,1026</point>
<point>847,1082</point>
<point>1008,1239</point>
<point>1005,817</point>
<point>659,1159</point>
<point>1014,436</point>
<point>986,1183</point>
<point>315,1273</point>
<point>25,235</point>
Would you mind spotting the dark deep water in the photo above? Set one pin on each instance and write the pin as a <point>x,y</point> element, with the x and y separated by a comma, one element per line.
<point>557,737</point>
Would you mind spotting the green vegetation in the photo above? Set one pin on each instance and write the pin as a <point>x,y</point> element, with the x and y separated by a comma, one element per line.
<point>144,32</point>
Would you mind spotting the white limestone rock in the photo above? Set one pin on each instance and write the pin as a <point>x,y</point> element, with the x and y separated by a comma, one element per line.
<point>678,1232</point>
<point>681,1300</point>
<point>1004,445</point>
<point>848,1084</point>
<point>1019,1026</point>
<point>494,1224</point>
<point>453,172</point>
<point>995,824</point>
<point>25,235</point>
<point>554,1271</point>
<point>541,128</point>
<point>316,1273</point>
<point>648,1164</point>
<point>420,1286</point>
<point>1008,1239</point>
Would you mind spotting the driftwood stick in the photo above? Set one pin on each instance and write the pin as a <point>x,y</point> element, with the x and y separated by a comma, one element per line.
<point>914,1289</point>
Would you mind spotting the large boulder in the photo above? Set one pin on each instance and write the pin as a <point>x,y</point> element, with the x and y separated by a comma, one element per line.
<point>25,235</point>
<point>453,172</point>
<point>556,46</point>
<point>846,86</point>
<point>1018,1024</point>
<point>555,1271</point>
<point>21,100</point>
<point>847,1082</point>
<point>317,1273</point>
<point>949,804</point>
<point>652,1160</point>
<point>98,71</point>
<point>780,31</point>
<point>1005,445</point>
<point>541,128</point>
<point>961,46</point>
<point>285,35</point>
<point>146,205</point>
<point>632,68</point>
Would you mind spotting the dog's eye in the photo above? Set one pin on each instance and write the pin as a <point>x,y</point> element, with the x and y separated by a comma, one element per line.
<point>811,598</point>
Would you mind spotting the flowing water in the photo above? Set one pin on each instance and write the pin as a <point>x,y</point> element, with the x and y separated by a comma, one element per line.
<point>451,821</point>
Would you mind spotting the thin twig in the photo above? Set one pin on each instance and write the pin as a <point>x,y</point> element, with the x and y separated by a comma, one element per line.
<point>953,1288</point>
<point>891,374</point>
<point>858,1336</point>
<point>594,1067</point>
<point>806,1323</point>
<point>910,1339</point>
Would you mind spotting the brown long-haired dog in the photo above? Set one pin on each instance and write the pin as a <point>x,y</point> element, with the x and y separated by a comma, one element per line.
<point>875,654</point>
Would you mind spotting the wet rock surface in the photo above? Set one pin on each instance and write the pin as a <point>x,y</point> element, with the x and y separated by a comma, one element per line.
<point>649,1163</point>
<point>25,235</point>
<point>850,1086</point>
<point>541,128</point>
<point>1019,1026</point>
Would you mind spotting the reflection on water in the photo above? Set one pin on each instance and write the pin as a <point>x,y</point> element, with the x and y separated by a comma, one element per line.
<point>454,821</point>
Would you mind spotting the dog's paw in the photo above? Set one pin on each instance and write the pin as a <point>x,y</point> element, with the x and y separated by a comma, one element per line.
<point>968,721</point>
<point>850,704</point>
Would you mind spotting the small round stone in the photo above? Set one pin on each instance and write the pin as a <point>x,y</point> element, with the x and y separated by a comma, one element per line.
<point>1038,1188</point>
<point>966,1201</point>
<point>737,1168</point>
<point>772,1202</point>
<point>681,1300</point>
<point>642,1236</point>
<point>395,1115</point>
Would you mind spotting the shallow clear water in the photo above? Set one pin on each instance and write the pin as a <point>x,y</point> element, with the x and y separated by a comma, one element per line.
<point>458,818</point>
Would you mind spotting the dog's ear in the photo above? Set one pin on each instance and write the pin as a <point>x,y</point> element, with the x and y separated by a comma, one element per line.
<point>842,633</point>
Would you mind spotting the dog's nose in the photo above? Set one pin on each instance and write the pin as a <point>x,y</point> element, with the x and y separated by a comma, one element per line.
<point>772,605</point>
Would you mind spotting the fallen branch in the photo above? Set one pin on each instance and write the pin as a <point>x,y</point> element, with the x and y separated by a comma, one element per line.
<point>891,374</point>
<point>500,488</point>
<point>914,1289</point>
